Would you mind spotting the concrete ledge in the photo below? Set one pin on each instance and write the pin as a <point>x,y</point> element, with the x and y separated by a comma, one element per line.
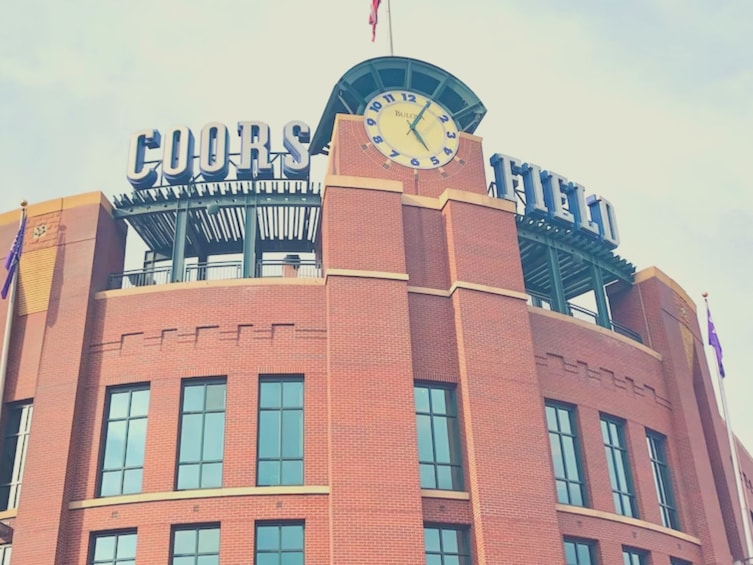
<point>192,285</point>
<point>366,274</point>
<point>488,289</point>
<point>429,291</point>
<point>198,493</point>
<point>365,183</point>
<point>593,327</point>
<point>634,522</point>
<point>446,494</point>
<point>455,195</point>
<point>8,514</point>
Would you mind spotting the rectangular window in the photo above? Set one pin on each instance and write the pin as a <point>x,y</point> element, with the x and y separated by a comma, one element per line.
<point>446,545</point>
<point>202,434</point>
<point>678,561</point>
<point>195,545</point>
<point>122,466</point>
<point>15,441</point>
<point>658,454</point>
<point>579,552</point>
<point>113,549</point>
<point>438,437</point>
<point>613,434</point>
<point>280,444</point>
<point>5,551</point>
<point>632,556</point>
<point>279,544</point>
<point>563,441</point>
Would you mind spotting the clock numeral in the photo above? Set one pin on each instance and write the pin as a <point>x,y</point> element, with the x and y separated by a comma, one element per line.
<point>451,134</point>
<point>394,154</point>
<point>375,106</point>
<point>444,118</point>
<point>409,97</point>
<point>415,162</point>
<point>447,151</point>
<point>370,122</point>
<point>377,139</point>
<point>388,98</point>
<point>434,161</point>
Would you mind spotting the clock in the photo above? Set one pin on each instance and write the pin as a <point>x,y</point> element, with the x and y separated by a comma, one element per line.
<point>411,129</point>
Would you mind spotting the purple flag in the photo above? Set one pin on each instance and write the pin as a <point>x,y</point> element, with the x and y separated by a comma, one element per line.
<point>714,341</point>
<point>14,255</point>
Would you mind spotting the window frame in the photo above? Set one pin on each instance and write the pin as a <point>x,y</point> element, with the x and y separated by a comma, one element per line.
<point>174,528</point>
<point>111,533</point>
<point>6,552</point>
<point>281,379</point>
<point>631,552</point>
<point>571,411</point>
<point>21,438</point>
<point>454,443</point>
<point>279,524</point>
<point>618,492</point>
<point>590,544</point>
<point>203,381</point>
<point>109,391</point>
<point>657,453</point>
<point>463,530</point>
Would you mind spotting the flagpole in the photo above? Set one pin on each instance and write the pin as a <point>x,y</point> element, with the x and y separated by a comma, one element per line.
<point>744,512</point>
<point>389,24</point>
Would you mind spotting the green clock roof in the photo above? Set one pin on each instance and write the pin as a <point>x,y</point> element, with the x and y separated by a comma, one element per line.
<point>366,79</point>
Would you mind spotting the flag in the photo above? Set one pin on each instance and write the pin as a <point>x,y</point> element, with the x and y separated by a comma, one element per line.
<point>14,255</point>
<point>714,341</point>
<point>373,17</point>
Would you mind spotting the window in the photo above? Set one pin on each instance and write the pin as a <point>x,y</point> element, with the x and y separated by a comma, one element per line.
<point>672,561</point>
<point>113,549</point>
<point>122,466</point>
<point>280,444</point>
<point>613,433</point>
<point>202,435</point>
<point>438,449</point>
<point>5,551</point>
<point>563,441</point>
<point>632,556</point>
<point>446,545</point>
<point>279,544</point>
<point>15,441</point>
<point>657,453</point>
<point>195,545</point>
<point>579,552</point>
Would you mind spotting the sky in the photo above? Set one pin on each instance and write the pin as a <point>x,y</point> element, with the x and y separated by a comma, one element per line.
<point>648,103</point>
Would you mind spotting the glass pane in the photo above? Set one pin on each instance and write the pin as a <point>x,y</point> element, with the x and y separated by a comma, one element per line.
<point>208,560</point>
<point>184,560</point>
<point>425,447</point>
<point>604,432</point>
<point>132,481</point>
<point>211,475</point>
<point>457,478</point>
<point>127,546</point>
<point>184,542</point>
<point>291,537</point>
<point>269,433</point>
<point>119,405</point>
<point>267,559</point>
<point>570,556</point>
<point>104,548</point>
<point>270,395</point>
<point>292,433</point>
<point>216,397</point>
<point>209,540</point>
<point>568,448</point>
<point>115,444</point>
<point>188,476</point>
<point>444,477</point>
<point>268,538</point>
<point>562,492</point>
<point>268,473</point>
<point>441,440</point>
<point>450,541</point>
<point>576,494</point>
<point>564,419</point>
<point>431,539</point>
<point>193,398</point>
<point>292,559</point>
<point>439,401</point>
<point>451,560</point>
<point>557,461</point>
<point>136,442</point>
<point>292,394</point>
<point>214,436</point>
<point>428,479</point>
<point>190,438</point>
<point>421,395</point>
<point>110,483</point>
<point>139,403</point>
<point>551,418</point>
<point>433,560</point>
<point>292,472</point>
<point>584,554</point>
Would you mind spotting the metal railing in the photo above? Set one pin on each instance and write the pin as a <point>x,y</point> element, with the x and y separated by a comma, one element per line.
<point>222,270</point>
<point>543,301</point>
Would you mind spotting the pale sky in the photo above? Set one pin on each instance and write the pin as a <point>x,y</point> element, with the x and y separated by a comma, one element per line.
<point>648,103</point>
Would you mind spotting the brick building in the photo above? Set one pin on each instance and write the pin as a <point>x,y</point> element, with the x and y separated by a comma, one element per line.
<point>406,396</point>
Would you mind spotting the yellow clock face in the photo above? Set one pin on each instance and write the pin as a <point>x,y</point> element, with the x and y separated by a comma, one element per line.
<point>411,129</point>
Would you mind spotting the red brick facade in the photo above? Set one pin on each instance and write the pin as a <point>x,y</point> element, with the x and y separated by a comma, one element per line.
<point>422,282</point>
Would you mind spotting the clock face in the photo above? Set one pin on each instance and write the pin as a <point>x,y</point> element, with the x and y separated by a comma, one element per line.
<point>411,129</point>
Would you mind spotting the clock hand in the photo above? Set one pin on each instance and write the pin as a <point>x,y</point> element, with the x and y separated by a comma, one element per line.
<point>421,139</point>
<point>419,115</point>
